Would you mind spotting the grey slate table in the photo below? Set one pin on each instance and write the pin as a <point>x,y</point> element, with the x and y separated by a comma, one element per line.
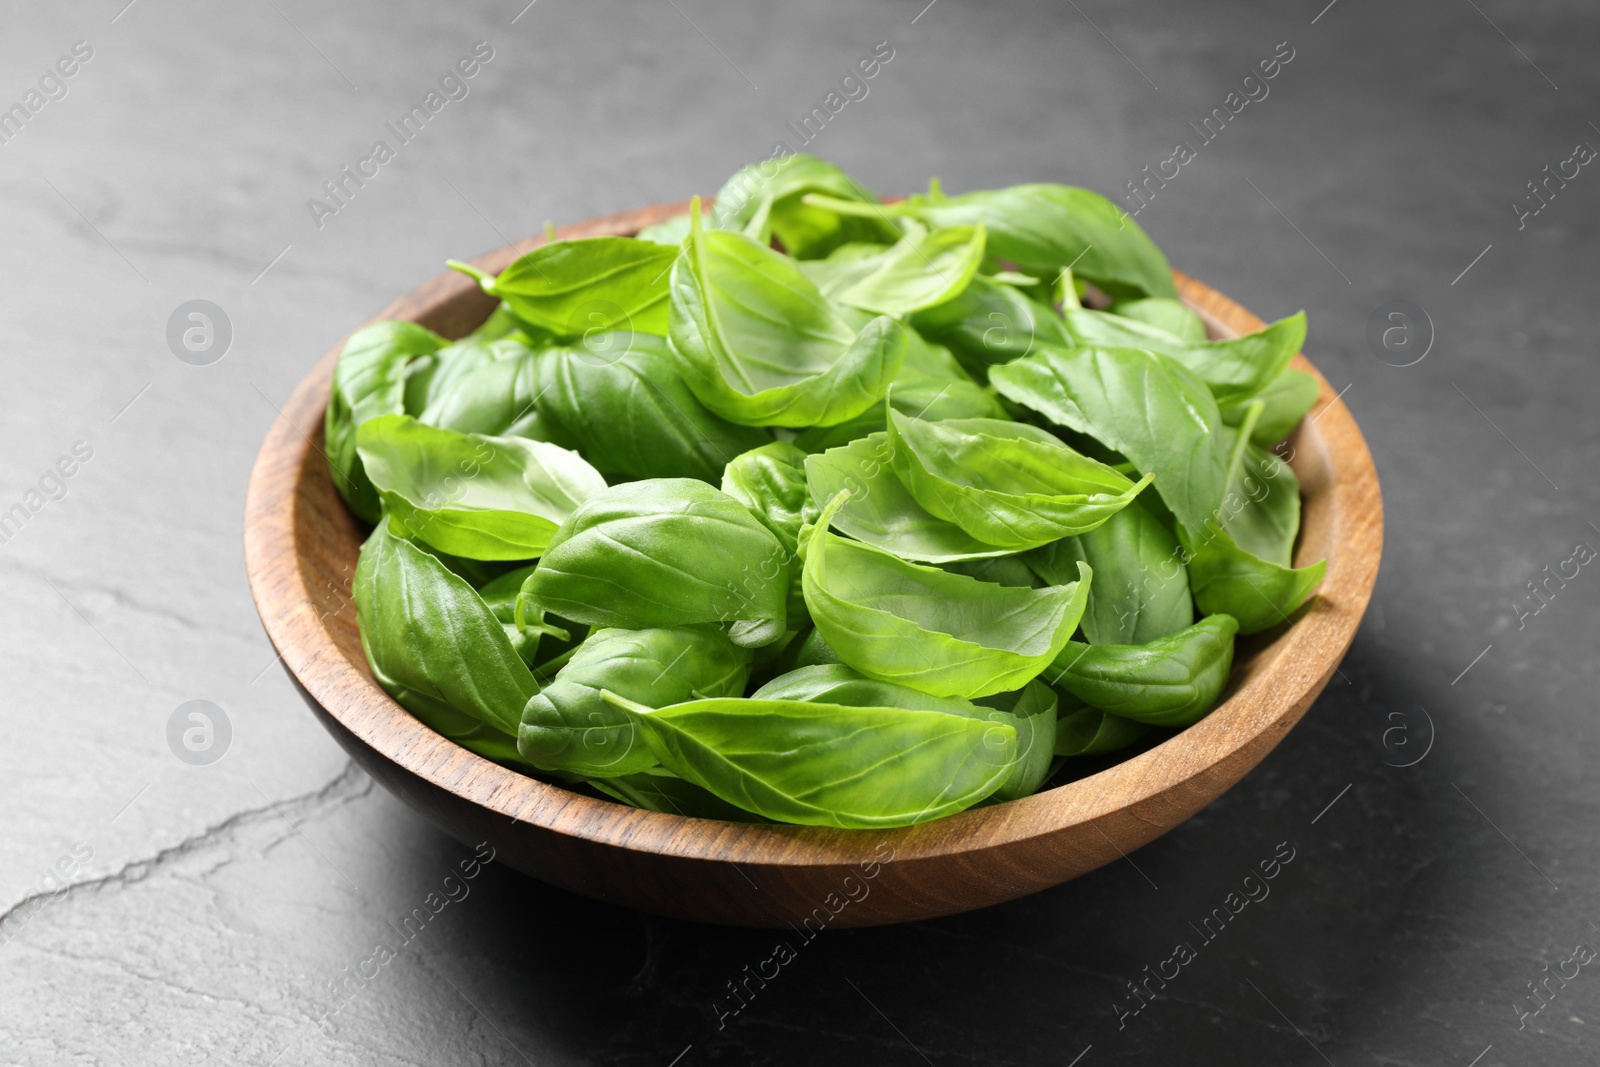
<point>1440,800</point>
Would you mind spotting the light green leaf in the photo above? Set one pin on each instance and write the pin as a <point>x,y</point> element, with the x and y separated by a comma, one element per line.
<point>665,552</point>
<point>369,380</point>
<point>945,634</point>
<point>766,200</point>
<point>481,387</point>
<point>589,285</point>
<point>1171,681</point>
<point>1232,368</point>
<point>1141,589</point>
<point>881,511</point>
<point>759,345</point>
<point>1287,398</point>
<point>829,764</point>
<point>1228,579</point>
<point>1044,228</point>
<point>1005,483</point>
<point>472,495</point>
<point>924,268</point>
<point>1142,404</point>
<point>1164,313</point>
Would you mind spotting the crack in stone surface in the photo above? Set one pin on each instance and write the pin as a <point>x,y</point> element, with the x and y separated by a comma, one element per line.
<point>350,784</point>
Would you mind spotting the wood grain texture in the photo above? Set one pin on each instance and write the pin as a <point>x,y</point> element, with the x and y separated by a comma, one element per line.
<point>301,546</point>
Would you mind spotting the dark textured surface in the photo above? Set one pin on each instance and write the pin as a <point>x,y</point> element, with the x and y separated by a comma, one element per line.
<point>212,908</point>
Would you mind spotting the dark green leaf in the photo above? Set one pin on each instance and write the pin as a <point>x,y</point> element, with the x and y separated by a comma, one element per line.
<point>567,726</point>
<point>438,650</point>
<point>1261,508</point>
<point>658,789</point>
<point>629,413</point>
<point>1087,731</point>
<point>989,324</point>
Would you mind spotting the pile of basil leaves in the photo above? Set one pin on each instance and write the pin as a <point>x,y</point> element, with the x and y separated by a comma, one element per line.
<point>818,510</point>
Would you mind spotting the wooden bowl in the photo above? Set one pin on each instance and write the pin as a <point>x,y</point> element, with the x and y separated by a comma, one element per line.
<point>300,550</point>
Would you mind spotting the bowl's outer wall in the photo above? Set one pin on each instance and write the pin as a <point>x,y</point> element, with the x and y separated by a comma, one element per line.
<point>301,545</point>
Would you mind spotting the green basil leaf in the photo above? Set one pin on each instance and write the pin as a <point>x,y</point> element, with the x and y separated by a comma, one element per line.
<point>658,789</point>
<point>499,595</point>
<point>881,511</point>
<point>1044,228</point>
<point>567,726</point>
<point>1228,579</point>
<point>1004,570</point>
<point>589,285</point>
<point>1006,483</point>
<point>1031,711</point>
<point>771,482</point>
<point>472,495</point>
<point>837,683</point>
<point>503,324</point>
<point>1261,508</point>
<point>766,199</point>
<point>1287,398</point>
<point>989,324</point>
<point>369,380</point>
<point>931,384</point>
<point>1145,405</point>
<point>1167,314</point>
<point>925,267</point>
<point>1141,589</point>
<point>1171,681</point>
<point>672,232</point>
<point>487,388</point>
<point>1232,368</point>
<point>945,634</point>
<point>812,650</point>
<point>829,764</point>
<point>759,345</point>
<point>438,650</point>
<point>629,413</point>
<point>1087,731</point>
<point>665,552</point>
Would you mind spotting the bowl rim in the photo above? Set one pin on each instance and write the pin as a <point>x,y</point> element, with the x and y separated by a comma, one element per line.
<point>1306,653</point>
